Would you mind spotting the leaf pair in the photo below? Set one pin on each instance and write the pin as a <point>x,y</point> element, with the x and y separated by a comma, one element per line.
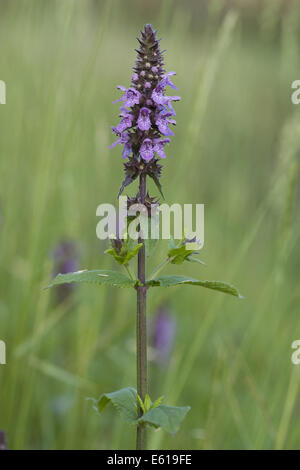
<point>117,279</point>
<point>126,400</point>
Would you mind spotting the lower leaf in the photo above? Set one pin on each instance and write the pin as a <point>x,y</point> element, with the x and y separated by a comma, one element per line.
<point>124,400</point>
<point>166,417</point>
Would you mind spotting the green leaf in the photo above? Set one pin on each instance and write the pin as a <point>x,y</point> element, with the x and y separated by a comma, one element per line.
<point>126,253</point>
<point>97,276</point>
<point>141,403</point>
<point>133,252</point>
<point>168,281</point>
<point>166,417</point>
<point>180,253</point>
<point>157,402</point>
<point>124,400</point>
<point>147,403</point>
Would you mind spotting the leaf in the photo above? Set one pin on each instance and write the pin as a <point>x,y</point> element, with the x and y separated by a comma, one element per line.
<point>124,400</point>
<point>127,251</point>
<point>133,252</point>
<point>158,185</point>
<point>118,258</point>
<point>166,417</point>
<point>141,403</point>
<point>181,253</point>
<point>97,276</point>
<point>126,182</point>
<point>157,402</point>
<point>168,281</point>
<point>191,259</point>
<point>147,402</point>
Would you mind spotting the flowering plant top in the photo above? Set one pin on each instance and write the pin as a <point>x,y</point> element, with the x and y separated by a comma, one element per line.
<point>146,111</point>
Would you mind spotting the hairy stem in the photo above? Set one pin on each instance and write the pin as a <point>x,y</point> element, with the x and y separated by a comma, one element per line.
<point>141,330</point>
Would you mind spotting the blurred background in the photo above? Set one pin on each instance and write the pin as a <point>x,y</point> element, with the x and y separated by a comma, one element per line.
<point>236,149</point>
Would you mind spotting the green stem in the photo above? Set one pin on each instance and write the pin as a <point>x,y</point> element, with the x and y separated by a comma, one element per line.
<point>159,268</point>
<point>130,273</point>
<point>141,329</point>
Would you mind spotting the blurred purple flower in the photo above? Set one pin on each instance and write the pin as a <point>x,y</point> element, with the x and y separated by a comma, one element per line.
<point>2,440</point>
<point>163,335</point>
<point>65,257</point>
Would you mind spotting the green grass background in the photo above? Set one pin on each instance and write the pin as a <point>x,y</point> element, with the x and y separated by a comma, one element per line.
<point>236,150</point>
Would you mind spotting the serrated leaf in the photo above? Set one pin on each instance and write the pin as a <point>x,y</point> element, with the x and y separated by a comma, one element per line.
<point>124,400</point>
<point>97,276</point>
<point>168,281</point>
<point>166,417</point>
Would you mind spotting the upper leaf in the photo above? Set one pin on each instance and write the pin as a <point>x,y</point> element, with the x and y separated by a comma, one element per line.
<point>183,251</point>
<point>167,417</point>
<point>167,281</point>
<point>124,400</point>
<point>96,276</point>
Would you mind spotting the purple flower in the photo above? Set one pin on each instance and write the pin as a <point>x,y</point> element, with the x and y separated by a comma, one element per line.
<point>123,139</point>
<point>125,123</point>
<point>130,97</point>
<point>159,147</point>
<point>158,94</point>
<point>146,150</point>
<point>2,440</point>
<point>163,122</point>
<point>168,103</point>
<point>159,97</point>
<point>65,261</point>
<point>143,121</point>
<point>163,335</point>
<point>146,112</point>
<point>167,81</point>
